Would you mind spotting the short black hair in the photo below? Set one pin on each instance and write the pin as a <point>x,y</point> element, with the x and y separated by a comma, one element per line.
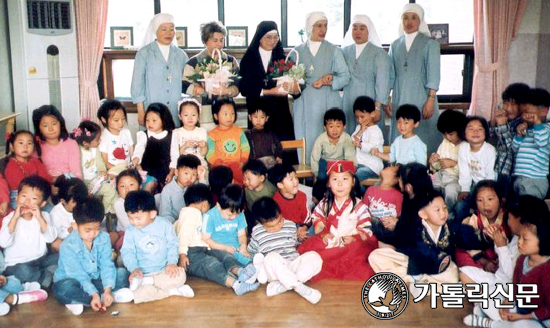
<point>425,198</point>
<point>164,113</point>
<point>535,214</point>
<point>279,172</point>
<point>49,110</point>
<point>516,92</point>
<point>197,193</point>
<point>483,122</point>
<point>257,105</point>
<point>489,184</point>
<point>334,114</point>
<point>538,97</point>
<point>88,210</point>
<point>139,200</point>
<point>129,173</point>
<point>232,198</point>
<point>218,104</point>
<point>188,160</point>
<point>255,166</point>
<point>319,189</point>
<point>364,104</point>
<point>87,131</point>
<point>106,107</point>
<point>70,188</point>
<point>409,112</point>
<point>38,182</point>
<point>417,176</point>
<point>219,177</point>
<point>265,209</point>
<point>452,121</point>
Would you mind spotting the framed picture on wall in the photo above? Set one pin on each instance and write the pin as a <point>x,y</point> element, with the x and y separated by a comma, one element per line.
<point>440,32</point>
<point>181,36</point>
<point>237,36</point>
<point>122,36</point>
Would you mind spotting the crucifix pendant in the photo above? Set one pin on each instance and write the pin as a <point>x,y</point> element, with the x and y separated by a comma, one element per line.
<point>406,65</point>
<point>170,79</point>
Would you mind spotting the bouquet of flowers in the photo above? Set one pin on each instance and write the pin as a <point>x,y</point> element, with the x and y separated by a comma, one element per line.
<point>213,74</point>
<point>287,71</point>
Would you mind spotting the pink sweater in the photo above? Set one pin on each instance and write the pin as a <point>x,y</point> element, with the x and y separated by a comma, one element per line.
<point>62,158</point>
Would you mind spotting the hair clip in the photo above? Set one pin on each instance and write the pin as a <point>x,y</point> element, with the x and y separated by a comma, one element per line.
<point>8,136</point>
<point>77,132</point>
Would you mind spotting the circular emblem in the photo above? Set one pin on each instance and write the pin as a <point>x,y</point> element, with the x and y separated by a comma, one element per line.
<point>385,296</point>
<point>230,146</point>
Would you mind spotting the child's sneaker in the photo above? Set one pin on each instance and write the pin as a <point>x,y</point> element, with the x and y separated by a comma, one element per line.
<point>136,282</point>
<point>242,288</point>
<point>243,260</point>
<point>4,308</point>
<point>31,286</point>
<point>247,274</point>
<point>275,288</point>
<point>184,291</point>
<point>311,295</point>
<point>123,295</point>
<point>75,309</point>
<point>31,297</point>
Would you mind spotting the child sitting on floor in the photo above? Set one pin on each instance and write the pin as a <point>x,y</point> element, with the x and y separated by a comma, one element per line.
<point>86,275</point>
<point>219,177</point>
<point>126,181</point>
<point>150,252</point>
<point>195,255</point>
<point>255,182</point>
<point>264,144</point>
<point>273,244</point>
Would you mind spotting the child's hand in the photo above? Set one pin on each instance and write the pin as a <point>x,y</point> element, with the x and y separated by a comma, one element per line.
<point>135,161</point>
<point>170,176</point>
<point>230,249</point>
<point>278,160</point>
<point>501,117</point>
<point>521,129</point>
<point>3,280</point>
<point>198,89</point>
<point>202,143</point>
<point>3,208</point>
<point>490,266</point>
<point>103,174</point>
<point>327,79</point>
<point>134,274</point>
<point>95,304</point>
<point>447,163</point>
<point>504,313</point>
<point>201,172</point>
<point>107,299</point>
<point>36,212</point>
<point>496,233</point>
<point>356,142</point>
<point>302,233</point>
<point>462,195</point>
<point>375,152</point>
<point>434,158</point>
<point>389,222</point>
<point>184,261</point>
<point>17,213</point>
<point>172,270</point>
<point>348,240</point>
<point>244,251</point>
<point>189,144</point>
<point>327,237</point>
<point>72,227</point>
<point>318,84</point>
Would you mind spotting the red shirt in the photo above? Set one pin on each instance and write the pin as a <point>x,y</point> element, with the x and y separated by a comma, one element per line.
<point>294,209</point>
<point>17,171</point>
<point>539,275</point>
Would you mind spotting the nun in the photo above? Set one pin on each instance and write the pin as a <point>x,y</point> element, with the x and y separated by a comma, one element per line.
<point>415,73</point>
<point>369,67</point>
<point>158,68</point>
<point>327,73</point>
<point>257,87</point>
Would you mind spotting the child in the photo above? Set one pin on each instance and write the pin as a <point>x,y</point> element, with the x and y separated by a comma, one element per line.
<point>59,153</point>
<point>292,202</point>
<point>407,147</point>
<point>504,127</point>
<point>126,181</point>
<point>532,146</point>
<point>156,148</point>
<point>255,182</point>
<point>219,177</point>
<point>476,161</point>
<point>367,136</point>
<point>532,267</point>
<point>171,198</point>
<point>489,213</point>
<point>427,259</point>
<point>12,292</point>
<point>342,227</point>
<point>194,252</point>
<point>333,144</point>
<point>150,252</point>
<point>273,244</point>
<point>444,162</point>
<point>224,228</point>
<point>264,145</point>
<point>227,143</point>
<point>19,164</point>
<point>26,232</point>
<point>94,171</point>
<point>71,192</point>
<point>191,138</point>
<point>86,275</point>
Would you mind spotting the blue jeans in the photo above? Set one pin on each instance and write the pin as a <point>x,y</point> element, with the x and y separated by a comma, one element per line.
<point>12,286</point>
<point>206,266</point>
<point>40,270</point>
<point>322,173</point>
<point>227,259</point>
<point>69,291</point>
<point>364,173</point>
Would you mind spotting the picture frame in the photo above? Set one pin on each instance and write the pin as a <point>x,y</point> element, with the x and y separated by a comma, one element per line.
<point>122,37</point>
<point>181,36</point>
<point>439,32</point>
<point>237,36</point>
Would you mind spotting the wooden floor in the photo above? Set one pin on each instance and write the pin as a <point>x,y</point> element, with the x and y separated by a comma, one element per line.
<point>216,306</point>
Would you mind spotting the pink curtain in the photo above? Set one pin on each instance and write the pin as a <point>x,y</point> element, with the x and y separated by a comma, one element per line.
<point>91,23</point>
<point>496,23</point>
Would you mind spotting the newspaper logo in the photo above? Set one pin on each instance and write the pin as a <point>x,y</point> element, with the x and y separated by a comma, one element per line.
<point>385,296</point>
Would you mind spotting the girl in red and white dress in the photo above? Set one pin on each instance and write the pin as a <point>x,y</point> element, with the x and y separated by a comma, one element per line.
<point>342,224</point>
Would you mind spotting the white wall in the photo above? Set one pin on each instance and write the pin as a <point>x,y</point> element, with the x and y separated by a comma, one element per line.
<point>6,89</point>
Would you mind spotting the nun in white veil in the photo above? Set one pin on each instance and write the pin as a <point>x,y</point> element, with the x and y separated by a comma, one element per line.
<point>369,67</point>
<point>415,74</point>
<point>158,68</point>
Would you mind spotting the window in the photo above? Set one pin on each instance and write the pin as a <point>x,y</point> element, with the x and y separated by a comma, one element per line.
<point>191,13</point>
<point>459,14</point>
<point>238,13</point>
<point>122,80</point>
<point>141,13</point>
<point>384,15</point>
<point>451,74</point>
<point>297,11</point>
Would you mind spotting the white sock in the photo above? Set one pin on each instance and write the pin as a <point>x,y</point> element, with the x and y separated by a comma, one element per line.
<point>75,309</point>
<point>183,291</point>
<point>311,295</point>
<point>15,299</point>
<point>4,308</point>
<point>30,286</point>
<point>473,320</point>
<point>275,288</point>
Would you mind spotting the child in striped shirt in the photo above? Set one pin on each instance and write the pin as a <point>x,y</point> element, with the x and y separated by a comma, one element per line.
<point>274,241</point>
